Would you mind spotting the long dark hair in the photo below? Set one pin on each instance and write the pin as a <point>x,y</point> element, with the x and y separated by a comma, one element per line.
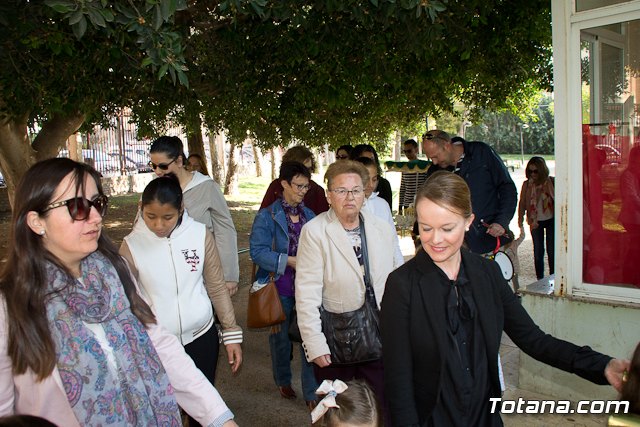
<point>23,279</point>
<point>171,146</point>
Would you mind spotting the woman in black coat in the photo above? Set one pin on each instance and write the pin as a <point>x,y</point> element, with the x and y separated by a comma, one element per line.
<point>442,318</point>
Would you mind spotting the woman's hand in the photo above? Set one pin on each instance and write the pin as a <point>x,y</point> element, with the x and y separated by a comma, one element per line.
<point>230,423</point>
<point>615,372</point>
<point>323,361</point>
<point>234,356</point>
<point>291,262</point>
<point>232,287</point>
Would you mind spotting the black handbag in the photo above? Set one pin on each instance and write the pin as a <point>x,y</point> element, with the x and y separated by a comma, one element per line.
<point>354,337</point>
<point>294,330</point>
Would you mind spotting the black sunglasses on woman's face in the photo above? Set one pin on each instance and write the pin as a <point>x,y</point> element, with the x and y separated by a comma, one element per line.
<point>162,166</point>
<point>80,207</point>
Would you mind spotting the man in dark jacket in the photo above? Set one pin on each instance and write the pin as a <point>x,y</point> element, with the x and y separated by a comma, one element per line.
<point>493,194</point>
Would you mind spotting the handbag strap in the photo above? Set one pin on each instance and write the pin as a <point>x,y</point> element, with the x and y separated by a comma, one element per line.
<point>370,295</point>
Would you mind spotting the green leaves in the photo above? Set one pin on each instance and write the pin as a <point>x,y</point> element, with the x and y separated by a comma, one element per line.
<point>78,12</point>
<point>311,71</point>
<point>150,21</point>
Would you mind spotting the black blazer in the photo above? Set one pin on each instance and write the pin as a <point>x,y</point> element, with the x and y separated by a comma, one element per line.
<point>414,323</point>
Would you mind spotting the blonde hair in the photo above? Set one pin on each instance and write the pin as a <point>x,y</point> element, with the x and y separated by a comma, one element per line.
<point>344,167</point>
<point>357,406</point>
<point>447,190</point>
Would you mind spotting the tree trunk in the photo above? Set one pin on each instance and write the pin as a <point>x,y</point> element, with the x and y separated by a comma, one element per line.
<point>216,148</point>
<point>257,158</point>
<point>231,181</point>
<point>54,134</point>
<point>397,148</point>
<point>318,155</point>
<point>196,145</point>
<point>273,164</point>
<point>18,154</point>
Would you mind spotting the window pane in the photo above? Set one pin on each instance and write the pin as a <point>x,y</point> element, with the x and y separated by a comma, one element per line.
<point>611,153</point>
<point>582,5</point>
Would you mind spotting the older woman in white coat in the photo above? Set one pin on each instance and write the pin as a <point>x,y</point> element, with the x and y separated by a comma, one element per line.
<point>331,270</point>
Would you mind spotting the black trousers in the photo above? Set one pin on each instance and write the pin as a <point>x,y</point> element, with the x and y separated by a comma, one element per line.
<point>204,353</point>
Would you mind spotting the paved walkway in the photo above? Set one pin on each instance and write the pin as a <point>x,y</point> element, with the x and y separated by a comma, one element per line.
<point>510,355</point>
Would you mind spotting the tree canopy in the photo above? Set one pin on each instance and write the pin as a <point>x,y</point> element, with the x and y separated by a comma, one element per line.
<point>346,71</point>
<point>316,72</point>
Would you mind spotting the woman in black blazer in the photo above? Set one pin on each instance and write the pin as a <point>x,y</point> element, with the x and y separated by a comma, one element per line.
<point>442,318</point>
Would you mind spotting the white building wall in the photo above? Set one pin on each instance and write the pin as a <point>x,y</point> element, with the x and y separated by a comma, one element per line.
<point>611,323</point>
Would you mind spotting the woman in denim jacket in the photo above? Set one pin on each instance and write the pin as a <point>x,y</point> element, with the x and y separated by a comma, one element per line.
<point>274,245</point>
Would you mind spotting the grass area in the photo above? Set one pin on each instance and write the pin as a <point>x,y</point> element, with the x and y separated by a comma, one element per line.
<point>125,201</point>
<point>251,190</point>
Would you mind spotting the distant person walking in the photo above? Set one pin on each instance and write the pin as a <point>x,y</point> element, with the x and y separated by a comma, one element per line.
<point>197,163</point>
<point>342,153</point>
<point>537,200</point>
<point>315,198</point>
<point>410,181</point>
<point>384,187</point>
<point>493,194</point>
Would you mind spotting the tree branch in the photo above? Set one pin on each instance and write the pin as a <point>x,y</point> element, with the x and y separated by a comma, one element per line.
<point>55,132</point>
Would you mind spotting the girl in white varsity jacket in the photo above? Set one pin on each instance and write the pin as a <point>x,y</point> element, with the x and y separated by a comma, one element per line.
<point>175,260</point>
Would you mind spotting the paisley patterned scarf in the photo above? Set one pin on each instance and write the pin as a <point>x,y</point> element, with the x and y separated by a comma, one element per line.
<point>294,235</point>
<point>120,381</point>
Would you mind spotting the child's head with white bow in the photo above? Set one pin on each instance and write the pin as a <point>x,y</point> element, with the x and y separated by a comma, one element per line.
<point>350,404</point>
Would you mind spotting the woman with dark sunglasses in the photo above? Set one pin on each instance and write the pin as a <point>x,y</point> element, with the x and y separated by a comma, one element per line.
<point>537,200</point>
<point>78,344</point>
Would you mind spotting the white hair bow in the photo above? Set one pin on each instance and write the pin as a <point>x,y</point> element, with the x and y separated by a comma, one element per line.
<point>331,389</point>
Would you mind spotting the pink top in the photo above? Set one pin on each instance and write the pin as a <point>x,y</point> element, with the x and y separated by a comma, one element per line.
<point>23,394</point>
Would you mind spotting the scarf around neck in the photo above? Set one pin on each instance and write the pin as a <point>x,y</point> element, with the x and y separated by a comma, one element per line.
<point>134,392</point>
<point>294,235</point>
<point>539,192</point>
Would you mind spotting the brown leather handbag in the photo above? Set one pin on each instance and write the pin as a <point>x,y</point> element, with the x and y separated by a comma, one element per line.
<point>264,307</point>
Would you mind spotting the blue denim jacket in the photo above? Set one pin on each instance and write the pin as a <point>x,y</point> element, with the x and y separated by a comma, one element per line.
<point>267,252</point>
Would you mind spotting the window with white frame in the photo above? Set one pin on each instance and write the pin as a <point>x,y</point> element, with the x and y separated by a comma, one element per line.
<point>610,73</point>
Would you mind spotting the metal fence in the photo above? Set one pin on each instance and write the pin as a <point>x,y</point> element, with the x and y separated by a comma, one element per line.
<point>117,149</point>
